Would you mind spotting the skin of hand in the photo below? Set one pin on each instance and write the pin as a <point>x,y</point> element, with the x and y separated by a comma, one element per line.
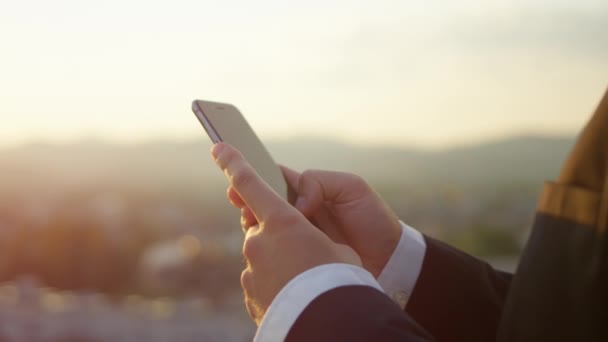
<point>346,208</point>
<point>283,243</point>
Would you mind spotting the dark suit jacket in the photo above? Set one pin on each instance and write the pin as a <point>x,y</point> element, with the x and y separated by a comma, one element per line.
<point>559,293</point>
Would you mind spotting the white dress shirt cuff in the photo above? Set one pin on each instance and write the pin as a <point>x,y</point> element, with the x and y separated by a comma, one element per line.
<point>399,276</point>
<point>302,290</point>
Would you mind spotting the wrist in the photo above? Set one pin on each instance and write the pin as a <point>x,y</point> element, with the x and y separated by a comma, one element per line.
<point>386,248</point>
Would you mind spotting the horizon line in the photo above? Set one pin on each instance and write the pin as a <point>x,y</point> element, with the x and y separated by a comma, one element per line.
<point>299,138</point>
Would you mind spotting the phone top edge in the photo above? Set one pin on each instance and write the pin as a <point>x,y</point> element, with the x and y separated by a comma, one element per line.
<point>198,111</point>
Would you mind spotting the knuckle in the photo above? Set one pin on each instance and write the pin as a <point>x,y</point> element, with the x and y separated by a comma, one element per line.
<point>241,177</point>
<point>309,182</point>
<point>357,182</point>
<point>252,247</point>
<point>228,157</point>
<point>231,195</point>
<point>246,279</point>
<point>230,191</point>
<point>308,174</point>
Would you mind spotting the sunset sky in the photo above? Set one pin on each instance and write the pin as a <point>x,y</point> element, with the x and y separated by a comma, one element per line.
<point>428,73</point>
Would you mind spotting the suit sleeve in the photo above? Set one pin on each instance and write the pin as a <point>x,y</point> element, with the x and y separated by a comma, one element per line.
<point>457,297</point>
<point>355,313</point>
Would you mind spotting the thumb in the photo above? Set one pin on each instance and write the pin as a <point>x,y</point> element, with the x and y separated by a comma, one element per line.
<point>316,187</point>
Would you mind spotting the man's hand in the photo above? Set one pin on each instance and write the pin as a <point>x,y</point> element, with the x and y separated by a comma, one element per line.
<point>346,208</point>
<point>282,244</point>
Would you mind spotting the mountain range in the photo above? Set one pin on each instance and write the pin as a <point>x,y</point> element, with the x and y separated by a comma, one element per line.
<point>527,160</point>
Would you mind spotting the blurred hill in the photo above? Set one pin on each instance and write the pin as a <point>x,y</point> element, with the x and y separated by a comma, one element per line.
<point>519,160</point>
<point>186,166</point>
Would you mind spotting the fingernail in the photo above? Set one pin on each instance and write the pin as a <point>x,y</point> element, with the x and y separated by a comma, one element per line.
<point>216,150</point>
<point>300,203</point>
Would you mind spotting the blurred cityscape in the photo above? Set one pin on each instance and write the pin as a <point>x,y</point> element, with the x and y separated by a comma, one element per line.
<point>103,242</point>
<point>30,312</point>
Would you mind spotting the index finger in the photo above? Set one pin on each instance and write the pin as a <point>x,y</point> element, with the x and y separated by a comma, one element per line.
<point>255,192</point>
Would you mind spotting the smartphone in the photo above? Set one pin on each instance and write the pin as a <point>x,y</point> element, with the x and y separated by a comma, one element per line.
<point>224,122</point>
